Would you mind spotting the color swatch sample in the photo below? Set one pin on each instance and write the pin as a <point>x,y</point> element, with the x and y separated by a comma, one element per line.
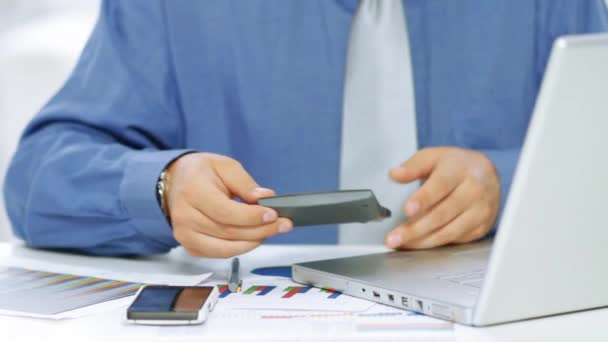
<point>48,293</point>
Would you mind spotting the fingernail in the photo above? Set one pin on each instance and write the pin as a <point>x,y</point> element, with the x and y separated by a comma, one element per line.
<point>398,169</point>
<point>285,227</point>
<point>269,216</point>
<point>262,191</point>
<point>412,208</point>
<point>393,240</point>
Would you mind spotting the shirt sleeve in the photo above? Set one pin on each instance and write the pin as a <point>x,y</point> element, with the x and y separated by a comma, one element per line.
<point>505,162</point>
<point>84,175</point>
<point>577,17</point>
<point>554,19</point>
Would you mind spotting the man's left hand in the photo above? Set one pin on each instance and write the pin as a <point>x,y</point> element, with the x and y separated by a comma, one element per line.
<point>457,203</point>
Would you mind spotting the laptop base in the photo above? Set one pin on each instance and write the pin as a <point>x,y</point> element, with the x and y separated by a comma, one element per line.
<point>427,282</point>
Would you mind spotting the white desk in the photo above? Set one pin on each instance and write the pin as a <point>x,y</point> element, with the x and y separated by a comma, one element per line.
<point>584,326</point>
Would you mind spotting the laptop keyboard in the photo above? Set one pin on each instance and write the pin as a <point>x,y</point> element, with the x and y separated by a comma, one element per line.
<point>473,279</point>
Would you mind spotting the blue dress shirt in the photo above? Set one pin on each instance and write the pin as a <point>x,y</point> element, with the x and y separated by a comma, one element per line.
<point>260,81</point>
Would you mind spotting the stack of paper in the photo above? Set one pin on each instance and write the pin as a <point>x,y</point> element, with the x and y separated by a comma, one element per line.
<point>37,289</point>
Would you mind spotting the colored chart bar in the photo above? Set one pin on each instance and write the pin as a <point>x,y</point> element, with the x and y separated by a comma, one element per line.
<point>111,285</point>
<point>261,289</point>
<point>224,292</point>
<point>86,282</point>
<point>252,289</point>
<point>38,276</point>
<point>60,279</point>
<point>266,290</point>
<point>333,293</point>
<point>41,275</point>
<point>293,290</point>
<point>131,290</point>
<point>49,293</point>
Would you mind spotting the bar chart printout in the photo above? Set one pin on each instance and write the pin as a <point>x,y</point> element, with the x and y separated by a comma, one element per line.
<point>290,291</point>
<point>268,293</point>
<point>47,293</point>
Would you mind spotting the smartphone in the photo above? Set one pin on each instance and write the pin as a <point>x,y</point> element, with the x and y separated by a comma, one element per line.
<point>172,305</point>
<point>319,208</point>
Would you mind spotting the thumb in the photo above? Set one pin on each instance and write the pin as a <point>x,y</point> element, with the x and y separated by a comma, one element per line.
<point>419,166</point>
<point>240,183</point>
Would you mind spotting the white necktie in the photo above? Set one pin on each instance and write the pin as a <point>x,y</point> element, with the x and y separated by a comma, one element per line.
<point>379,121</point>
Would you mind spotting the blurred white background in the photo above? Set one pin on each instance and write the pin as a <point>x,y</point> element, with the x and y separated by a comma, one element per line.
<point>40,42</point>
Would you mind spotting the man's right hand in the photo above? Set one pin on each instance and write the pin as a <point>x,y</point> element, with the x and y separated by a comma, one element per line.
<point>206,219</point>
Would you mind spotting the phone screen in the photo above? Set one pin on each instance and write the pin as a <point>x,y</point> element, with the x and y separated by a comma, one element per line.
<point>169,303</point>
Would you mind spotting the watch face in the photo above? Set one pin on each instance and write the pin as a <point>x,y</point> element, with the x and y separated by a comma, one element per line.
<point>160,189</point>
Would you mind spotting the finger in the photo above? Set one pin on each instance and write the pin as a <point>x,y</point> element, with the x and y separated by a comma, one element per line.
<point>474,234</point>
<point>207,226</point>
<point>419,166</point>
<point>280,226</point>
<point>202,245</point>
<point>239,182</point>
<point>467,221</point>
<point>444,179</point>
<point>220,208</point>
<point>440,215</point>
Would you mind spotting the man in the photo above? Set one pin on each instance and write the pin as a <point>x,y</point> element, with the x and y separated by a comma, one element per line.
<point>227,96</point>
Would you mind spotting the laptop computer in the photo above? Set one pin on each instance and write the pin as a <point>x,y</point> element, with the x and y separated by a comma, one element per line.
<point>552,242</point>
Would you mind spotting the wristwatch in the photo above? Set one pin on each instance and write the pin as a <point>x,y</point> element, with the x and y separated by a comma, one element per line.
<point>162,188</point>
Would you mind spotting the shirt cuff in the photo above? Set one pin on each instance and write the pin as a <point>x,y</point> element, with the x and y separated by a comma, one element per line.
<point>138,193</point>
<point>505,162</point>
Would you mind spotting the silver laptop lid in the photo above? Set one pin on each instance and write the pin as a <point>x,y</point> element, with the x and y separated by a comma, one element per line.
<point>549,253</point>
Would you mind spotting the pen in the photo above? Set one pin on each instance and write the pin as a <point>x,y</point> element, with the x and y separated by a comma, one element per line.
<point>234,283</point>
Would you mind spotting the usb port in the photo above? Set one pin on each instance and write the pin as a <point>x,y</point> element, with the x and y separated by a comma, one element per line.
<point>405,302</point>
<point>376,294</point>
<point>391,297</point>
